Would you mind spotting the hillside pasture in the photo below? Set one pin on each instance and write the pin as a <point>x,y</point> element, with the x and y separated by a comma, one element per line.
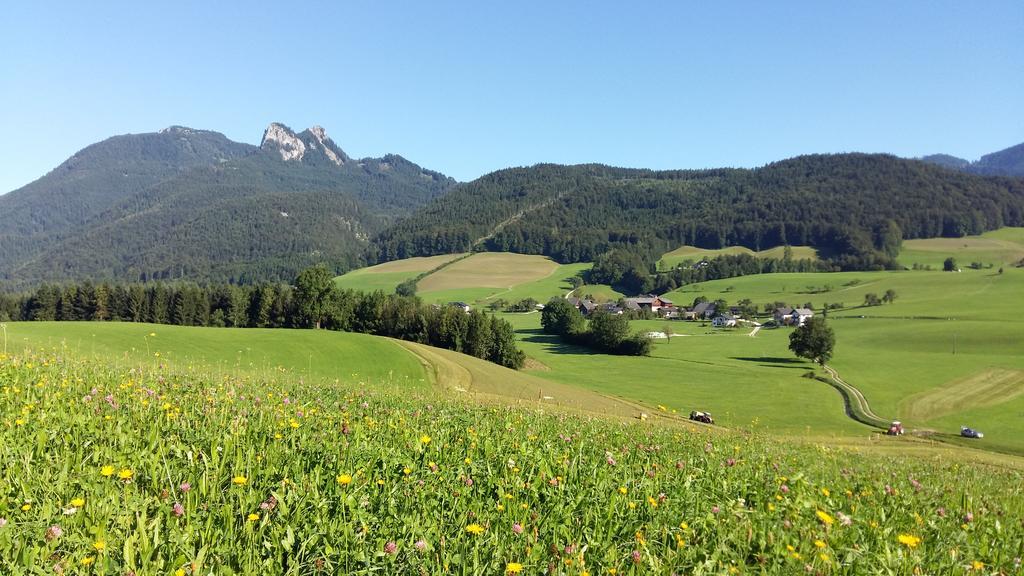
<point>744,381</point>
<point>683,253</point>
<point>490,270</point>
<point>313,354</point>
<point>389,275</point>
<point>1003,247</point>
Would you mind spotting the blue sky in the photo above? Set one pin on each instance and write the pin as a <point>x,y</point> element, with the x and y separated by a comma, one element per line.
<point>470,87</point>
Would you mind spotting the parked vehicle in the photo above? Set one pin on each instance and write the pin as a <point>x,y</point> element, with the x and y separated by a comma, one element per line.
<point>704,417</point>
<point>970,432</point>
<point>895,429</point>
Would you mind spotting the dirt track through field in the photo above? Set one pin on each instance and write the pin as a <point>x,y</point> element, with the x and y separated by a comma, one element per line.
<point>980,390</point>
<point>857,406</point>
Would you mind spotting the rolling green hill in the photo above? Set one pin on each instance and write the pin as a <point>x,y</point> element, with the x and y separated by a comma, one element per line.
<point>317,355</point>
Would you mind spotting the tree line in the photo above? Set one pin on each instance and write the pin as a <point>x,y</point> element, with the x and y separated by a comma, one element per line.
<point>314,302</point>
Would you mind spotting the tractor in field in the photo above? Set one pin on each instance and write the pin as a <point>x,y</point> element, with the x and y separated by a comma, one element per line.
<point>970,432</point>
<point>895,429</point>
<point>705,417</point>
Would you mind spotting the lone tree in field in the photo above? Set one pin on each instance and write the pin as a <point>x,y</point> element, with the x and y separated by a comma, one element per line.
<point>949,265</point>
<point>814,340</point>
<point>889,297</point>
<point>313,290</point>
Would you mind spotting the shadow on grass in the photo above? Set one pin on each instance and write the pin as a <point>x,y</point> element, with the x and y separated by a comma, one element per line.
<point>552,343</point>
<point>774,362</point>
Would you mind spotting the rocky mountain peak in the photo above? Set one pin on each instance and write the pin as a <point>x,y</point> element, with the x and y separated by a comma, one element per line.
<point>292,146</point>
<point>281,138</point>
<point>333,153</point>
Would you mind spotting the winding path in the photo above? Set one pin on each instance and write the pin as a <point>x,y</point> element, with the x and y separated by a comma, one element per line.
<point>857,406</point>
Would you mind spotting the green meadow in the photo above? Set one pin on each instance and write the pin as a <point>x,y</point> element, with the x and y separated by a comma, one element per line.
<point>315,355</point>
<point>389,275</point>
<point>950,340</point>
<point>1003,247</point>
<point>684,253</point>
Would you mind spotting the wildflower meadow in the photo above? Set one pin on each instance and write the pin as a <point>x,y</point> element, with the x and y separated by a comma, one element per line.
<point>121,470</point>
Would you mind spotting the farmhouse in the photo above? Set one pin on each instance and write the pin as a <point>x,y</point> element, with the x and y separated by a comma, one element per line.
<point>783,315</point>
<point>724,321</point>
<point>648,302</point>
<point>461,305</point>
<point>586,306</point>
<point>792,316</point>
<point>703,311</point>
<point>801,315</point>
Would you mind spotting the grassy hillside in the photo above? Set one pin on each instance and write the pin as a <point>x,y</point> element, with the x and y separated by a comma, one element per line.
<point>116,470</point>
<point>1003,247</point>
<point>317,355</point>
<point>389,275</point>
<point>488,276</point>
<point>683,253</point>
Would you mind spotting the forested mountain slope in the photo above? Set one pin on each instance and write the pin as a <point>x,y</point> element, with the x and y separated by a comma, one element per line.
<point>254,214</point>
<point>853,207</point>
<point>1007,162</point>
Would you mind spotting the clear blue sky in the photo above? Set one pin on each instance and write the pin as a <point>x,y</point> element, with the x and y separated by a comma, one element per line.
<point>471,87</point>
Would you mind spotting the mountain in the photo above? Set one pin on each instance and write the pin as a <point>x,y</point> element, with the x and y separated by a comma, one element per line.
<point>853,207</point>
<point>947,161</point>
<point>193,204</point>
<point>1008,162</point>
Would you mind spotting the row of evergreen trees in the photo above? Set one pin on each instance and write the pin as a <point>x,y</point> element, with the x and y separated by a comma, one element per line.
<point>319,305</point>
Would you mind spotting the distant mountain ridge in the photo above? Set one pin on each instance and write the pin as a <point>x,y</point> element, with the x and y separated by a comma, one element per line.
<point>1007,162</point>
<point>186,203</point>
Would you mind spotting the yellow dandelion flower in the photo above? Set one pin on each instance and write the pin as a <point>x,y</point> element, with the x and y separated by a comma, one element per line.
<point>909,540</point>
<point>125,474</point>
<point>977,565</point>
<point>239,480</point>
<point>824,517</point>
<point>622,490</point>
<point>825,492</point>
<point>511,567</point>
<point>819,544</point>
<point>406,471</point>
<point>344,479</point>
<point>99,545</point>
<point>424,439</point>
<point>78,502</point>
<point>26,507</point>
<point>824,557</point>
<point>253,517</point>
<point>88,560</point>
<point>107,471</point>
<point>475,529</point>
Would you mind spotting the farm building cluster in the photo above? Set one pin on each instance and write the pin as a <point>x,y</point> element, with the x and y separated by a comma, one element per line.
<point>720,316</point>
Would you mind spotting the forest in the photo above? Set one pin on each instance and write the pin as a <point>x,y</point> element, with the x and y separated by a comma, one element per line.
<point>272,306</point>
<point>854,208</point>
